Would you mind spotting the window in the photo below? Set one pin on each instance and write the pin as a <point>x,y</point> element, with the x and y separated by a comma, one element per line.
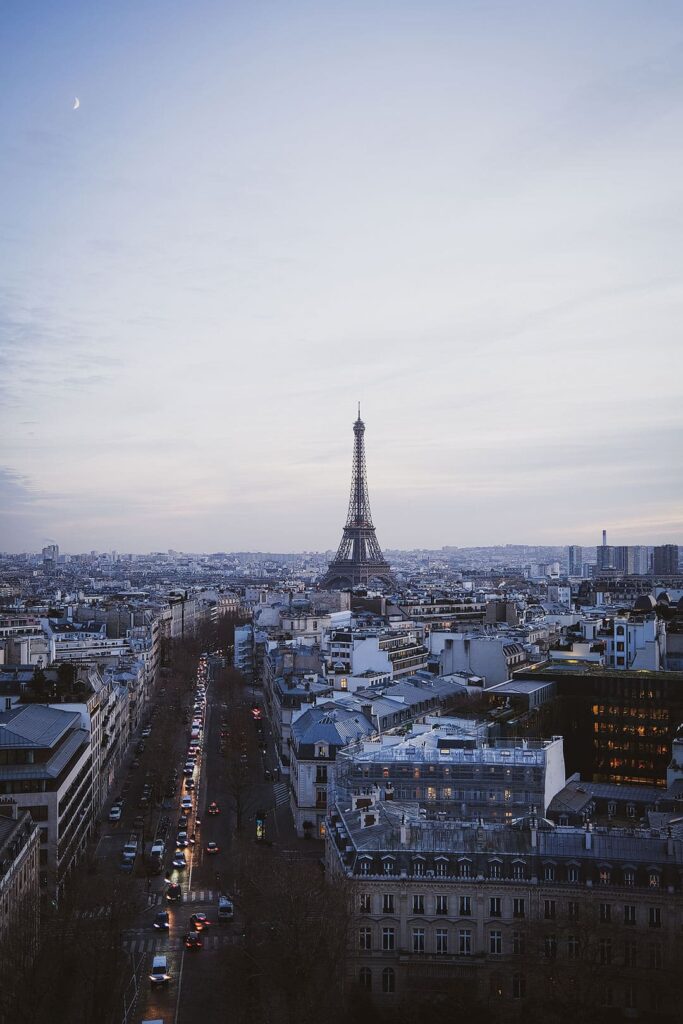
<point>495,943</point>
<point>518,943</point>
<point>549,908</point>
<point>388,981</point>
<point>418,868</point>
<point>518,907</point>
<point>365,903</point>
<point>321,773</point>
<point>388,938</point>
<point>418,904</point>
<point>519,871</point>
<point>465,906</point>
<point>464,868</point>
<point>365,979</point>
<point>549,873</point>
<point>388,903</point>
<point>572,947</point>
<point>496,985</point>
<point>495,909</point>
<point>365,938</point>
<point>442,904</point>
<point>550,947</point>
<point>630,954</point>
<point>441,941</point>
<point>573,911</point>
<point>494,870</point>
<point>631,810</point>
<point>605,876</point>
<point>630,996</point>
<point>572,873</point>
<point>655,917</point>
<point>606,993</point>
<point>418,940</point>
<point>365,867</point>
<point>653,879</point>
<point>441,868</point>
<point>629,913</point>
<point>465,942</point>
<point>629,877</point>
<point>388,866</point>
<point>605,913</point>
<point>605,951</point>
<point>518,986</point>
<point>656,956</point>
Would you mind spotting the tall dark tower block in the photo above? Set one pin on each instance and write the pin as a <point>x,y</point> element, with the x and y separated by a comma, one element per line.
<point>359,559</point>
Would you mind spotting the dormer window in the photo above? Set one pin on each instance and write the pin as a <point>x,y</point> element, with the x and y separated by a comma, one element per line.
<point>653,879</point>
<point>321,750</point>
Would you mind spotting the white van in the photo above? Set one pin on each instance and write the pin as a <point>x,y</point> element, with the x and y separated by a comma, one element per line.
<point>159,974</point>
<point>226,910</point>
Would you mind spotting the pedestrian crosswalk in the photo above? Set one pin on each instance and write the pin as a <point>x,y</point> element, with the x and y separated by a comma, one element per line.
<point>281,793</point>
<point>158,943</point>
<point>191,896</point>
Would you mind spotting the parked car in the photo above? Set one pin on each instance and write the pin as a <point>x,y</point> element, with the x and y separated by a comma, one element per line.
<point>147,731</point>
<point>115,813</point>
<point>181,839</point>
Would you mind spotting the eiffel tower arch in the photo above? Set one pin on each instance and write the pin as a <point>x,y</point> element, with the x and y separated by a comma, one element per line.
<point>359,559</point>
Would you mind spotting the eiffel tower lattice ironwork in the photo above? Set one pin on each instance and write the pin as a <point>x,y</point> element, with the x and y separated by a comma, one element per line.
<point>359,559</point>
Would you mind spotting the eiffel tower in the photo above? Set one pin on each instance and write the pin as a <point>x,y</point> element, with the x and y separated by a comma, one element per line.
<point>359,559</point>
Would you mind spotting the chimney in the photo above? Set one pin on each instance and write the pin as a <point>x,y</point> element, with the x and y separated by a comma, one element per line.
<point>404,832</point>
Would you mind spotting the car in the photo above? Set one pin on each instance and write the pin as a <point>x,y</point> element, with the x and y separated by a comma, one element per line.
<point>115,813</point>
<point>189,783</point>
<point>182,823</point>
<point>174,893</point>
<point>159,974</point>
<point>212,848</point>
<point>147,731</point>
<point>226,909</point>
<point>214,808</point>
<point>181,839</point>
<point>161,921</point>
<point>199,922</point>
<point>179,861</point>
<point>188,770</point>
<point>193,940</point>
<point>186,804</point>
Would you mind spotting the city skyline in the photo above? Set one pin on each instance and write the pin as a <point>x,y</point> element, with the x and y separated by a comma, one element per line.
<point>467,219</point>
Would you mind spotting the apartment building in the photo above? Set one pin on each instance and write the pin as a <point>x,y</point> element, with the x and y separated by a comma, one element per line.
<point>19,876</point>
<point>453,767</point>
<point>527,915</point>
<point>395,652</point>
<point>46,767</point>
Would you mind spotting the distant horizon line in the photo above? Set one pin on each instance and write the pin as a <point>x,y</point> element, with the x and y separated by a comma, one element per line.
<point>445,548</point>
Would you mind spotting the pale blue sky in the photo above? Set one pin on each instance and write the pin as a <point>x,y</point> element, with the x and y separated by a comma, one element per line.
<point>467,215</point>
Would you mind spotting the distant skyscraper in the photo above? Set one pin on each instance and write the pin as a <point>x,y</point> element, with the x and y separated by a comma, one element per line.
<point>575,560</point>
<point>665,560</point>
<point>605,554</point>
<point>359,559</point>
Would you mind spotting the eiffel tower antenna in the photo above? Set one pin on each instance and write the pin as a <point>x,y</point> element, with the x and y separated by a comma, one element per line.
<point>359,558</point>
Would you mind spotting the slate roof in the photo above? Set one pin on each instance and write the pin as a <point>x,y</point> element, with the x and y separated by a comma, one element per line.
<point>330,724</point>
<point>34,725</point>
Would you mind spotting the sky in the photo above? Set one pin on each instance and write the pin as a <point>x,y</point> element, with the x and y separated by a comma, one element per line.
<point>466,215</point>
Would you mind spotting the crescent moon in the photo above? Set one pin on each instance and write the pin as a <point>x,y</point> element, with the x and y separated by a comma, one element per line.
<point>77,103</point>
